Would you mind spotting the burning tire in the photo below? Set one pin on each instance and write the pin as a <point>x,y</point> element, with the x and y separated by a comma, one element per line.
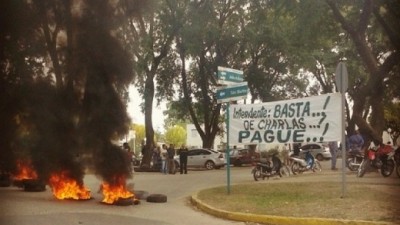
<point>31,185</point>
<point>158,198</point>
<point>124,201</point>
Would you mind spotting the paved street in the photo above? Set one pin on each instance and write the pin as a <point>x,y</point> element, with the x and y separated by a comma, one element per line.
<point>19,207</point>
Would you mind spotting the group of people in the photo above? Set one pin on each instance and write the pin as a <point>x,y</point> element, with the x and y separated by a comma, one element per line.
<point>166,155</point>
<point>163,157</point>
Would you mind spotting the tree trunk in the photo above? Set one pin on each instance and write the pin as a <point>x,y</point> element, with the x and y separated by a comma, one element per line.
<point>148,120</point>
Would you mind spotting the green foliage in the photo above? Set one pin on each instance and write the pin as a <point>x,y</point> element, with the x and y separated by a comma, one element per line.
<point>176,135</point>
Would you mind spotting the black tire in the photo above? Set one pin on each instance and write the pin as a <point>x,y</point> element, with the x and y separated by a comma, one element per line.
<point>363,167</point>
<point>157,198</point>
<point>209,165</point>
<point>32,185</point>
<point>398,170</point>
<point>257,174</point>
<point>387,168</point>
<point>124,201</point>
<point>320,157</point>
<point>295,168</point>
<point>349,164</point>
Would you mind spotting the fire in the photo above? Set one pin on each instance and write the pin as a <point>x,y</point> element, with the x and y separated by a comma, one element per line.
<point>64,187</point>
<point>25,171</point>
<point>117,190</point>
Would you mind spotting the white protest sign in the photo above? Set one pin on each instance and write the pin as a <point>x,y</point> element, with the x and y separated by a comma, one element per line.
<point>311,119</point>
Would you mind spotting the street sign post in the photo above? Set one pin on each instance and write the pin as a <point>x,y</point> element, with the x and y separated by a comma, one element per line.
<point>234,89</point>
<point>232,92</point>
<point>228,76</point>
<point>341,77</point>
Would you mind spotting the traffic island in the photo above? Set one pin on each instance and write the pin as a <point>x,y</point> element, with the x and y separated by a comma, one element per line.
<point>274,220</point>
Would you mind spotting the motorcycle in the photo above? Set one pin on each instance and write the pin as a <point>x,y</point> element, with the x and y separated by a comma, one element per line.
<point>268,169</point>
<point>353,160</point>
<point>381,158</point>
<point>300,165</point>
<point>397,160</point>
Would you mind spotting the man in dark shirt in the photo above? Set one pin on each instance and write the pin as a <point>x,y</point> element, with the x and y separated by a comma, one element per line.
<point>183,154</point>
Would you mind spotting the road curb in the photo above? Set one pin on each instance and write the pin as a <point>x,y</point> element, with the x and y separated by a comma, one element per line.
<point>276,220</point>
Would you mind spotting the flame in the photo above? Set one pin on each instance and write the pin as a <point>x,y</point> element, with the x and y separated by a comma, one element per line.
<point>116,190</point>
<point>25,171</point>
<point>65,187</point>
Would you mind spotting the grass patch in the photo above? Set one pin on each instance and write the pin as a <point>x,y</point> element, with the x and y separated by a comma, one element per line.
<point>321,199</point>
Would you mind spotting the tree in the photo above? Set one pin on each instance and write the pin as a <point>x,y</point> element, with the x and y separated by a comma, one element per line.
<point>265,53</point>
<point>149,34</point>
<point>377,53</point>
<point>206,40</point>
<point>176,135</point>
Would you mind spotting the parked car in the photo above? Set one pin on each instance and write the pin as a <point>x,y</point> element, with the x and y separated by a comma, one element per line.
<point>206,158</point>
<point>243,156</point>
<point>319,150</point>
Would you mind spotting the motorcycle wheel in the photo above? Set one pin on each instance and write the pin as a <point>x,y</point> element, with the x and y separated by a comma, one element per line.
<point>257,174</point>
<point>317,166</point>
<point>349,163</point>
<point>398,170</point>
<point>363,167</point>
<point>295,168</point>
<point>387,168</point>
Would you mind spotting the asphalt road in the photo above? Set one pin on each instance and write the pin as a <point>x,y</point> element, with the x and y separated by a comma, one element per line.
<point>41,208</point>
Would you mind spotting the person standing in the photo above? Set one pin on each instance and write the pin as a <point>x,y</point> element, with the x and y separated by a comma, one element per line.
<point>296,149</point>
<point>171,163</point>
<point>286,155</point>
<point>156,156</point>
<point>129,154</point>
<point>164,158</point>
<point>333,148</point>
<point>183,154</point>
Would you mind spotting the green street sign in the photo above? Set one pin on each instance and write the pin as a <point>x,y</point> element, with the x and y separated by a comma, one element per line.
<point>232,93</point>
<point>229,76</point>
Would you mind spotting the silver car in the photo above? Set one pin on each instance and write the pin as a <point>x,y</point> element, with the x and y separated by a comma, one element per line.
<point>319,150</point>
<point>203,158</point>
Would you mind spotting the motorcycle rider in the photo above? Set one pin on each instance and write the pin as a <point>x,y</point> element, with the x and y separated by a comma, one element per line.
<point>356,142</point>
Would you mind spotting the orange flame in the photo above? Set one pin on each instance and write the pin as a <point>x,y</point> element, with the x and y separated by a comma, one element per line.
<point>115,191</point>
<point>64,187</point>
<point>25,171</point>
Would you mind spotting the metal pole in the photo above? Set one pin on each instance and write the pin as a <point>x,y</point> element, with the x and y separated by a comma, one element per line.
<point>343,149</point>
<point>228,160</point>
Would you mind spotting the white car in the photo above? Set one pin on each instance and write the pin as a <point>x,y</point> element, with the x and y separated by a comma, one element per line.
<point>319,150</point>
<point>203,158</point>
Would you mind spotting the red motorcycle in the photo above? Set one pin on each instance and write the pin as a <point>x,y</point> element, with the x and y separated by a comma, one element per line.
<point>380,158</point>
